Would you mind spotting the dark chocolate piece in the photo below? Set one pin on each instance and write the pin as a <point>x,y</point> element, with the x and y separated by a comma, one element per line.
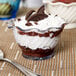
<point>28,24</point>
<point>41,10</point>
<point>19,19</point>
<point>56,15</point>
<point>37,17</point>
<point>36,23</point>
<point>29,14</point>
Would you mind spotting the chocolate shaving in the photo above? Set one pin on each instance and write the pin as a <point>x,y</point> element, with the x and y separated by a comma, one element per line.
<point>56,15</point>
<point>37,17</point>
<point>28,24</point>
<point>29,14</point>
<point>41,10</point>
<point>36,23</point>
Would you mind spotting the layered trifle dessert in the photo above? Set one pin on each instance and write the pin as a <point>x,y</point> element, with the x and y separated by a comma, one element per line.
<point>38,33</point>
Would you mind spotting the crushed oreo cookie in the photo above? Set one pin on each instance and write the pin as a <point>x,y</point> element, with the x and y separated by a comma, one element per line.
<point>39,15</point>
<point>56,15</point>
<point>29,14</point>
<point>19,19</point>
<point>28,24</point>
<point>36,23</point>
<point>41,10</point>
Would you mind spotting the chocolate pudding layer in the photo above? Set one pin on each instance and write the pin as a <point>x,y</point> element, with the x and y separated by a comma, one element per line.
<point>47,34</point>
<point>36,53</point>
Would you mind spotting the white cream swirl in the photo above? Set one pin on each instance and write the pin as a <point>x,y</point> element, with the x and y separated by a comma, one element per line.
<point>34,42</point>
<point>51,21</point>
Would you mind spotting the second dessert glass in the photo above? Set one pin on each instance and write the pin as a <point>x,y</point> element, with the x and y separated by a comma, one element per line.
<point>8,9</point>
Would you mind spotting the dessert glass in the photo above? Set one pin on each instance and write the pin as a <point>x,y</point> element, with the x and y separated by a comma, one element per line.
<point>66,9</point>
<point>8,9</point>
<point>38,38</point>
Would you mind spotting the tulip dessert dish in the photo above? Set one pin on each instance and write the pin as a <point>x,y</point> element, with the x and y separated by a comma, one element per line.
<point>38,33</point>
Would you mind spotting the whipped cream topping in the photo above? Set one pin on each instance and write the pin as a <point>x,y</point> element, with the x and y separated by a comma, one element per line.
<point>34,42</point>
<point>53,22</point>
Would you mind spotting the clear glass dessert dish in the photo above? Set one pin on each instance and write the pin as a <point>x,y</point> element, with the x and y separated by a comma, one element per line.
<point>8,9</point>
<point>38,33</point>
<point>66,9</point>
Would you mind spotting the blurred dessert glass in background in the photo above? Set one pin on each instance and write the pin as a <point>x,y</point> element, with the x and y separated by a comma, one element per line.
<point>64,1</point>
<point>8,9</point>
<point>66,9</point>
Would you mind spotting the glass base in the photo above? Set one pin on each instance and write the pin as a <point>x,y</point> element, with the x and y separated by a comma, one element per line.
<point>39,58</point>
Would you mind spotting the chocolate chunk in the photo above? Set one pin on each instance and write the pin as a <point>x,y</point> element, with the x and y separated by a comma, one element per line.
<point>37,17</point>
<point>56,15</point>
<point>28,24</point>
<point>19,19</point>
<point>36,23</point>
<point>41,10</point>
<point>29,14</point>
